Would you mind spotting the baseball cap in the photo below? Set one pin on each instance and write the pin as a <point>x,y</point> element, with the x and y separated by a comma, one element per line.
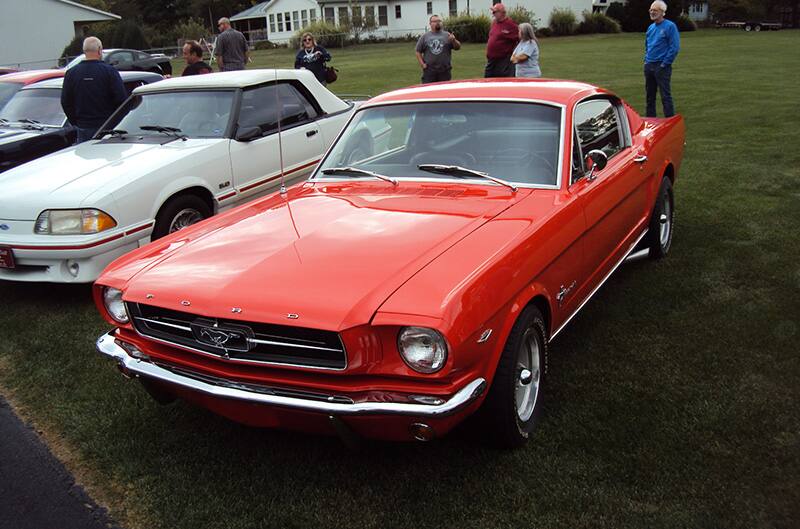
<point>498,7</point>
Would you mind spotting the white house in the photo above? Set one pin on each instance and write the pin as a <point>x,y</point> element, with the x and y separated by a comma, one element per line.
<point>33,33</point>
<point>393,18</point>
<point>697,11</point>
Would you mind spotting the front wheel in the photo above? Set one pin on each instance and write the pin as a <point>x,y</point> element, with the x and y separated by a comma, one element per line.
<point>178,213</point>
<point>662,221</point>
<point>514,402</point>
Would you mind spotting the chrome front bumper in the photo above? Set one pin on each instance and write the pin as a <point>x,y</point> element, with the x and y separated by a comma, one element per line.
<point>107,346</point>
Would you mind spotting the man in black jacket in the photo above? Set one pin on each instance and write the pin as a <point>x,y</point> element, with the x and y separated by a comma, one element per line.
<point>92,91</point>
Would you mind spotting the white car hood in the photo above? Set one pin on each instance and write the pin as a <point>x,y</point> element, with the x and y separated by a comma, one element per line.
<point>65,179</point>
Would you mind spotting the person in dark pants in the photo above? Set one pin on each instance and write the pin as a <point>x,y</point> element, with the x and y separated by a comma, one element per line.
<point>193,55</point>
<point>434,52</point>
<point>662,44</point>
<point>312,57</point>
<point>503,38</point>
<point>231,48</point>
<point>92,91</point>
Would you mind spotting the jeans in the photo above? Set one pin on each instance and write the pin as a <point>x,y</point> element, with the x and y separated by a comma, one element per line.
<point>86,133</point>
<point>434,76</point>
<point>499,68</point>
<point>658,77</point>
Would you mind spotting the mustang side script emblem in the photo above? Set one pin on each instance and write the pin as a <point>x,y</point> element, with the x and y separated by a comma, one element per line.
<point>225,337</point>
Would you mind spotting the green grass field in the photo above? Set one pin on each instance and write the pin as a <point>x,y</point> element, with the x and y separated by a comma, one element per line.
<point>673,397</point>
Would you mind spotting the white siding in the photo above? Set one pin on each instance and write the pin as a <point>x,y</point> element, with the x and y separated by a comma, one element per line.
<point>540,8</point>
<point>33,33</point>
<point>281,7</point>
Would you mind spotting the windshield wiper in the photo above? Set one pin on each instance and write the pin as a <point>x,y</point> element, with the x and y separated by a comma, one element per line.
<point>113,132</point>
<point>28,120</point>
<point>455,169</point>
<point>354,170</point>
<point>172,131</point>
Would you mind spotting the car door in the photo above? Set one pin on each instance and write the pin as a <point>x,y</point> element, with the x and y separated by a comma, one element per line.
<point>614,198</point>
<point>257,162</point>
<point>121,60</point>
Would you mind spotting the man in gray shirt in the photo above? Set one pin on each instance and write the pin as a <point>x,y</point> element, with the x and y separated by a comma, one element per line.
<point>433,52</point>
<point>231,48</point>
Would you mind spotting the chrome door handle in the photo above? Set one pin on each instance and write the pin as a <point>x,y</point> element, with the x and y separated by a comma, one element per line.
<point>312,132</point>
<point>641,158</point>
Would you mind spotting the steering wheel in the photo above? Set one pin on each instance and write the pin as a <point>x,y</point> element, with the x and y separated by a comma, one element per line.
<point>464,159</point>
<point>524,157</point>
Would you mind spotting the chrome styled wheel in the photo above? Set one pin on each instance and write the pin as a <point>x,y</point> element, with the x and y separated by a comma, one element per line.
<point>662,222</point>
<point>528,375</point>
<point>665,219</point>
<point>185,217</point>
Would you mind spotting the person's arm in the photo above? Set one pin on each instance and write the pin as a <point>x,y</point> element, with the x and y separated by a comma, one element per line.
<point>68,100</point>
<point>298,60</point>
<point>118,91</point>
<point>418,51</point>
<point>674,46</point>
<point>219,49</point>
<point>325,55</point>
<point>454,42</point>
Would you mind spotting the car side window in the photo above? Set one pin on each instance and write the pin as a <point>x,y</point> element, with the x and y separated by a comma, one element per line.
<point>259,107</point>
<point>121,57</point>
<point>597,126</point>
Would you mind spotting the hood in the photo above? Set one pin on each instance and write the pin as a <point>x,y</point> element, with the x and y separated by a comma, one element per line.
<point>15,135</point>
<point>67,177</point>
<point>330,254</point>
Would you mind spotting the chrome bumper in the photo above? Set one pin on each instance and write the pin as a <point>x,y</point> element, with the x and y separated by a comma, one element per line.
<point>107,346</point>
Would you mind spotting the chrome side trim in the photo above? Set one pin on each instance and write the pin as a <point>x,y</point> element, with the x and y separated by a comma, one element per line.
<point>156,322</point>
<point>585,301</point>
<point>106,345</point>
<point>299,346</point>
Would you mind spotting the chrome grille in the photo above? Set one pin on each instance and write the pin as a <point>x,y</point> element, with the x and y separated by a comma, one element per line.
<point>242,341</point>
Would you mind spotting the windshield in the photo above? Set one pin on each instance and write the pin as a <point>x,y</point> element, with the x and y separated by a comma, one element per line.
<point>42,105</point>
<point>517,142</point>
<point>7,91</point>
<point>196,114</point>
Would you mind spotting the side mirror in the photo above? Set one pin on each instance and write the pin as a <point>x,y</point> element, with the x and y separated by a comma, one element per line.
<point>248,134</point>
<point>596,160</point>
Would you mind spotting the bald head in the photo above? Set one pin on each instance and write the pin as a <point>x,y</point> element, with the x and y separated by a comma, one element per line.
<point>92,47</point>
<point>224,23</point>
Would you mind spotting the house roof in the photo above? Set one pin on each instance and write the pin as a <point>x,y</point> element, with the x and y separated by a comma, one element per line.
<point>105,14</point>
<point>257,11</point>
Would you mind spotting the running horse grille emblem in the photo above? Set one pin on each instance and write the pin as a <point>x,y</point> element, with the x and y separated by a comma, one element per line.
<point>224,337</point>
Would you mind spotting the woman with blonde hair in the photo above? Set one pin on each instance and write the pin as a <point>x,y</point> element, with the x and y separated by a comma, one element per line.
<point>312,57</point>
<point>526,54</point>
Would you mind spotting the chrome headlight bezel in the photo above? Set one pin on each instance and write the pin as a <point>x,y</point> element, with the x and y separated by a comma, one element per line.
<point>423,349</point>
<point>115,307</point>
<point>80,221</point>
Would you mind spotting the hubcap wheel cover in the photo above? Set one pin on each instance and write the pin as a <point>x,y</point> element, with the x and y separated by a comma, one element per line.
<point>185,217</point>
<point>527,391</point>
<point>666,225</point>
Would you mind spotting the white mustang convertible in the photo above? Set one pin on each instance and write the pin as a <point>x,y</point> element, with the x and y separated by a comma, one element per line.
<point>175,153</point>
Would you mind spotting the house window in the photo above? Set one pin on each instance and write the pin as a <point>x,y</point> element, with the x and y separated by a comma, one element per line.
<point>330,18</point>
<point>356,18</point>
<point>344,17</point>
<point>313,13</point>
<point>304,17</point>
<point>369,16</point>
<point>429,8</point>
<point>383,16</point>
<point>398,13</point>
<point>296,19</point>
<point>288,19</point>
<point>453,7</point>
<point>272,23</point>
<point>280,22</point>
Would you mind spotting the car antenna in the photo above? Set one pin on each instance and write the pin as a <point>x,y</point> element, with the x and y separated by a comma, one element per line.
<point>280,142</point>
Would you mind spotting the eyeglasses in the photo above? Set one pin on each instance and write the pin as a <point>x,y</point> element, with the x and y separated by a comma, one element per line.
<point>308,40</point>
<point>655,10</point>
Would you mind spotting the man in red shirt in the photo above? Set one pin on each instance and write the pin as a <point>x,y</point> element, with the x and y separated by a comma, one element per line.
<point>503,38</point>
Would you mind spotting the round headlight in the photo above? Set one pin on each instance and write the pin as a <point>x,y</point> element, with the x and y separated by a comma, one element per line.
<point>112,298</point>
<point>423,349</point>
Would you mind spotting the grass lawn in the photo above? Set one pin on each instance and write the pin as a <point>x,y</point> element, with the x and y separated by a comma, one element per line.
<point>673,397</point>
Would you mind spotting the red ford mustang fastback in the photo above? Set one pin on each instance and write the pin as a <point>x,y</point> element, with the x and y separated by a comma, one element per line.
<point>416,278</point>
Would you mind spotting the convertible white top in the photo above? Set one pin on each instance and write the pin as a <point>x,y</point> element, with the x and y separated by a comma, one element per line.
<point>244,78</point>
<point>238,79</point>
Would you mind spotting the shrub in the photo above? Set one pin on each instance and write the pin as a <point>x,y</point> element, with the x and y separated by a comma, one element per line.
<point>562,21</point>
<point>191,29</point>
<point>265,45</point>
<point>128,34</point>
<point>469,28</point>
<point>326,35</point>
<point>685,23</point>
<point>598,23</point>
<point>519,15</point>
<point>616,10</point>
<point>544,32</point>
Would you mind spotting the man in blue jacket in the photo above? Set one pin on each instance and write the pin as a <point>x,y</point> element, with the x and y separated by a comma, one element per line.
<point>662,43</point>
<point>92,91</point>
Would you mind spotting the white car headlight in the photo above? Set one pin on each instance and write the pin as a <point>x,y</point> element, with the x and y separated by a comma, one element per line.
<point>423,349</point>
<point>73,222</point>
<point>112,299</point>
